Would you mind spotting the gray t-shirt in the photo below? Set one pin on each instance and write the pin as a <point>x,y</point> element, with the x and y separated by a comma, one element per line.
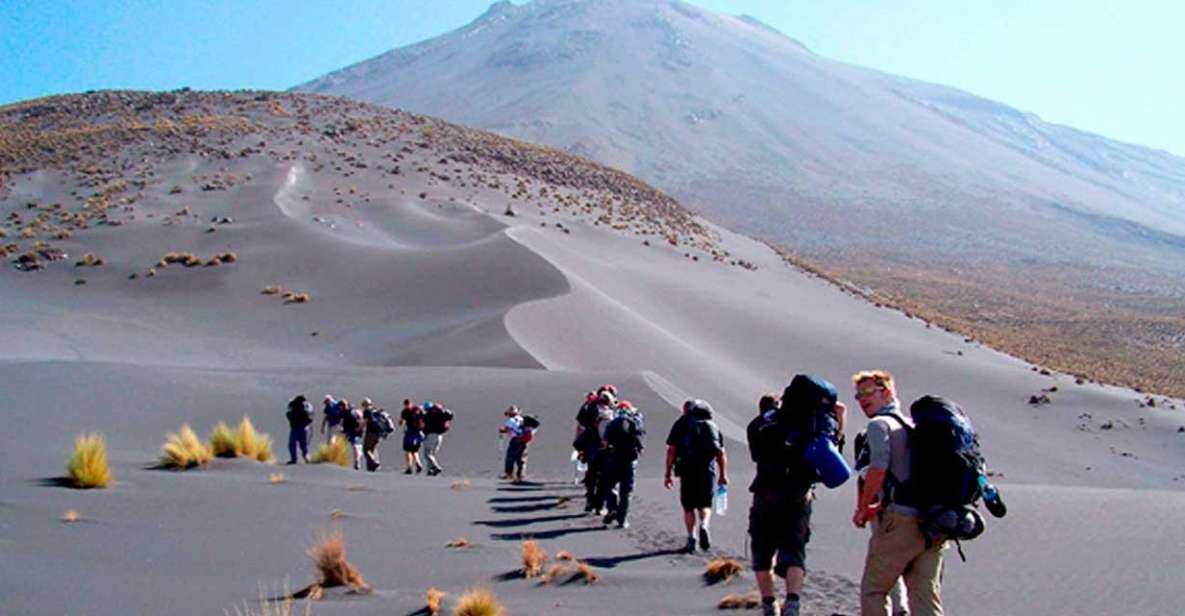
<point>888,449</point>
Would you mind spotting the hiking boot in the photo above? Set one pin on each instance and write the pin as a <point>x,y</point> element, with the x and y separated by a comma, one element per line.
<point>419,468</point>
<point>609,517</point>
<point>623,524</point>
<point>790,607</point>
<point>407,471</point>
<point>690,549</point>
<point>770,609</point>
<point>705,539</point>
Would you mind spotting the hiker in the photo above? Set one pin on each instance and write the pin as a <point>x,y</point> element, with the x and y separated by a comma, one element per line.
<point>695,452</point>
<point>898,547</point>
<point>300,417</point>
<point>412,420</point>
<point>591,420</point>
<point>520,431</point>
<point>379,426</point>
<point>623,439</point>
<point>783,487</point>
<point>897,599</point>
<point>331,416</point>
<point>437,420</point>
<point>353,427</point>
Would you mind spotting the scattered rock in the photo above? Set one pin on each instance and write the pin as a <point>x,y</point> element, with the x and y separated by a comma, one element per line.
<point>1040,400</point>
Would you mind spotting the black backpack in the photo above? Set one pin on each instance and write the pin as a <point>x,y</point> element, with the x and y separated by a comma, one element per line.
<point>624,435</point>
<point>530,422</point>
<point>438,420</point>
<point>350,424</point>
<point>945,469</point>
<point>588,414</point>
<point>778,439</point>
<point>383,422</point>
<point>699,445</point>
<point>299,413</point>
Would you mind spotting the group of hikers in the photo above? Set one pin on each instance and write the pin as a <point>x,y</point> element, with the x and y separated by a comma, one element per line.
<point>365,427</point>
<point>920,478</point>
<point>919,481</point>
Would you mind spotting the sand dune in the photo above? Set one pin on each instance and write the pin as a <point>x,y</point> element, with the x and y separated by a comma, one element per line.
<point>444,297</point>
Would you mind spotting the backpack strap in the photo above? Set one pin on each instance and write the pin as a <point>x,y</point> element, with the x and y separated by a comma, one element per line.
<point>897,491</point>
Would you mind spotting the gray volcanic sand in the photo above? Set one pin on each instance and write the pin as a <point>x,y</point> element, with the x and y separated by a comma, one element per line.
<point>450,300</point>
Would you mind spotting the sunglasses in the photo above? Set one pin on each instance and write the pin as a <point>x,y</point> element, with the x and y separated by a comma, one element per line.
<point>865,392</point>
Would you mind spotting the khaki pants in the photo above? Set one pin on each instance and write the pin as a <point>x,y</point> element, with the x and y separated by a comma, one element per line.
<point>897,548</point>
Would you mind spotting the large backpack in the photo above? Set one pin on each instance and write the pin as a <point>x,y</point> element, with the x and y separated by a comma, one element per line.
<point>945,467</point>
<point>299,413</point>
<point>778,439</point>
<point>588,413</point>
<point>699,444</point>
<point>625,434</point>
<point>351,422</point>
<point>383,421</point>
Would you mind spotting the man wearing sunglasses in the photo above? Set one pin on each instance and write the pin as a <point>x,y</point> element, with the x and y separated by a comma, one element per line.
<point>897,546</point>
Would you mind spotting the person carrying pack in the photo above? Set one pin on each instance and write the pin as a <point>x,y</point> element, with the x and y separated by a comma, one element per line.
<point>624,435</point>
<point>695,452</point>
<point>520,429</point>
<point>379,425</point>
<point>591,421</point>
<point>894,498</point>
<point>331,417</point>
<point>354,428</point>
<point>807,418</point>
<point>437,420</point>
<point>412,420</point>
<point>300,417</point>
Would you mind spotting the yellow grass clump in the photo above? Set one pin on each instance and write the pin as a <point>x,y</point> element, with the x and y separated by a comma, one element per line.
<point>460,484</point>
<point>433,603</point>
<point>272,289</point>
<point>269,606</point>
<point>721,570</point>
<point>252,443</point>
<point>571,571</point>
<point>71,516</point>
<point>276,478</point>
<point>243,441</point>
<point>336,451</point>
<point>183,449</point>
<point>564,555</point>
<point>459,543</point>
<point>748,601</point>
<point>329,556</point>
<point>222,441</point>
<point>478,602</point>
<point>533,558</point>
<point>87,467</point>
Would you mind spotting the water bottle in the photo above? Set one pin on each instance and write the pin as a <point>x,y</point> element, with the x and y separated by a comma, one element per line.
<point>991,498</point>
<point>720,502</point>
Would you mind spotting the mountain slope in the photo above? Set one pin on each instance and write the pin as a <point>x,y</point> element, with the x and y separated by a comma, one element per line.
<point>929,197</point>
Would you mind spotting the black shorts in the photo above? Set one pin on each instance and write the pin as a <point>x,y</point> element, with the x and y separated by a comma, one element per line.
<point>779,525</point>
<point>696,488</point>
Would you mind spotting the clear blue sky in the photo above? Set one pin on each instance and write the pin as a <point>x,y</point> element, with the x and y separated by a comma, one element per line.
<point>1114,68</point>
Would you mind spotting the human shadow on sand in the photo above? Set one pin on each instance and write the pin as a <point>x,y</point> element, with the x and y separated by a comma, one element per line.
<point>525,521</point>
<point>609,562</point>
<point>546,534</point>
<point>559,502</point>
<point>523,499</point>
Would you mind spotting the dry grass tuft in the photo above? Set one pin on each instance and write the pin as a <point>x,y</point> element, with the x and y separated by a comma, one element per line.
<point>554,573</point>
<point>329,556</point>
<point>748,601</point>
<point>244,441</point>
<point>336,451</point>
<point>533,558</point>
<point>228,257</point>
<point>459,543</point>
<point>89,260</point>
<point>272,289</point>
<point>88,466</point>
<point>222,441</point>
<point>275,478</point>
<point>584,572</point>
<point>478,602</point>
<point>570,571</point>
<point>71,516</point>
<point>460,484</point>
<point>433,603</point>
<point>183,449</point>
<point>269,606</point>
<point>296,298</point>
<point>252,443</point>
<point>564,555</point>
<point>722,570</point>
<point>336,514</point>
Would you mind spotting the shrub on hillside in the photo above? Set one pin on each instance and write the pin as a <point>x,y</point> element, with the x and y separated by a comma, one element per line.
<point>478,602</point>
<point>336,451</point>
<point>183,449</point>
<point>243,441</point>
<point>88,466</point>
<point>533,558</point>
